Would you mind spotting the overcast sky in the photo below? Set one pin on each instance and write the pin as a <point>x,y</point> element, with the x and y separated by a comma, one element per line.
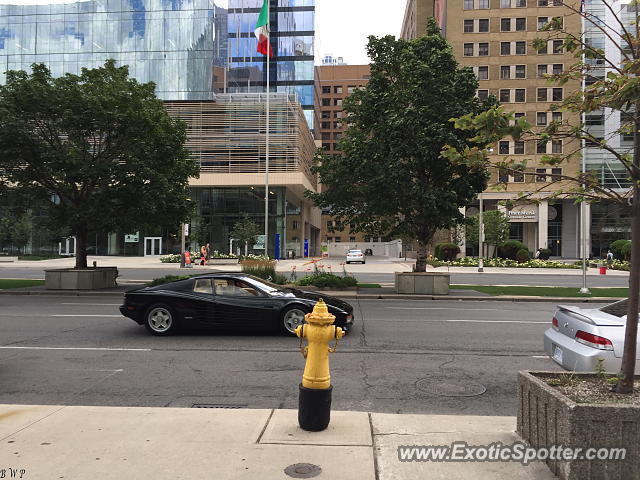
<point>342,26</point>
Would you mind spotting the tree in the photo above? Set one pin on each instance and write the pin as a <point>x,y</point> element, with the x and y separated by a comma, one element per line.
<point>97,149</point>
<point>610,76</point>
<point>245,231</point>
<point>201,234</point>
<point>496,229</point>
<point>21,229</point>
<point>391,175</point>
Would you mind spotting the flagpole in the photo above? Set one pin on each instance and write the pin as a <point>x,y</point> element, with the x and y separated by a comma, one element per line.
<point>266,170</point>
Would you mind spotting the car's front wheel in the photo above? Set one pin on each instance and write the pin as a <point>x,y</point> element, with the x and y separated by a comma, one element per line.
<point>291,318</point>
<point>160,320</point>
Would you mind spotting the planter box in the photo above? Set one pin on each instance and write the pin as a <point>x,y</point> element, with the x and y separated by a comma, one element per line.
<point>223,261</point>
<point>5,258</point>
<point>85,279</point>
<point>422,283</point>
<point>546,417</point>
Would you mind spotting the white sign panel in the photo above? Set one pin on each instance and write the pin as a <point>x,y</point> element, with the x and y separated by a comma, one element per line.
<point>523,213</point>
<point>132,238</point>
<point>259,245</point>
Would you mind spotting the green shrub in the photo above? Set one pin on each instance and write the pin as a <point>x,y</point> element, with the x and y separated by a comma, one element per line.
<point>523,255</point>
<point>510,248</point>
<point>260,268</point>
<point>168,279</point>
<point>545,253</point>
<point>446,251</point>
<point>621,249</point>
<point>328,280</point>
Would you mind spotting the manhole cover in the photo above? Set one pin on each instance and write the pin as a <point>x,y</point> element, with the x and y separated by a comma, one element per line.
<point>303,470</point>
<point>450,387</point>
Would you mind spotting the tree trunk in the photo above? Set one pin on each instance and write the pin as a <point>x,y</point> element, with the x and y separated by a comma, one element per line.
<point>81,248</point>
<point>625,385</point>
<point>421,257</point>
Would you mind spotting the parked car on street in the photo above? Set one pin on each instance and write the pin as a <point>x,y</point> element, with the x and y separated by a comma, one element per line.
<point>227,301</point>
<point>579,337</point>
<point>355,256</point>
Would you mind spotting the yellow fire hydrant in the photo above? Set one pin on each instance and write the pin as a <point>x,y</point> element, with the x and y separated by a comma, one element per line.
<point>314,403</point>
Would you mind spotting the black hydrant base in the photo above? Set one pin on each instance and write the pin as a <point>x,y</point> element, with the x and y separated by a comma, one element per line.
<point>314,408</point>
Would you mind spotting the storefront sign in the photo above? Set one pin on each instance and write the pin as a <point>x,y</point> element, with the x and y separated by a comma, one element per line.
<point>132,238</point>
<point>523,213</point>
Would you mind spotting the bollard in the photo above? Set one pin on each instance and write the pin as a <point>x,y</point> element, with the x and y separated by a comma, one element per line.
<point>314,402</point>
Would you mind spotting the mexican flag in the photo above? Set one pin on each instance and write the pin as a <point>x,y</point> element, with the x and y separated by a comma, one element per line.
<point>262,31</point>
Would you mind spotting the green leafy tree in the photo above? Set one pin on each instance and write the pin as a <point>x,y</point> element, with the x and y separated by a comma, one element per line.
<point>201,234</point>
<point>245,231</point>
<point>391,176</point>
<point>496,229</point>
<point>21,229</point>
<point>5,231</point>
<point>611,82</point>
<point>97,149</point>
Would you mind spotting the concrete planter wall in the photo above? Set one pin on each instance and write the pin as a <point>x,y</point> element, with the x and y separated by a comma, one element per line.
<point>5,258</point>
<point>85,279</point>
<point>421,283</point>
<point>223,261</point>
<point>546,418</point>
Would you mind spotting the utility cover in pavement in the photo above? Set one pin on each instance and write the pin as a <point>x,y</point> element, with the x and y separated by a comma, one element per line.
<point>450,387</point>
<point>303,470</point>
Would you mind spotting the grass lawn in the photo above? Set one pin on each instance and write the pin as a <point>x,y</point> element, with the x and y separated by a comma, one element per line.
<point>545,291</point>
<point>18,283</point>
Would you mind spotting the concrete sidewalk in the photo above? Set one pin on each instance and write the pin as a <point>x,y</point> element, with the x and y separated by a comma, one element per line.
<point>45,442</point>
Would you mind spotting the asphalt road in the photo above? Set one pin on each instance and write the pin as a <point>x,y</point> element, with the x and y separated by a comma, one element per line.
<point>400,357</point>
<point>556,280</point>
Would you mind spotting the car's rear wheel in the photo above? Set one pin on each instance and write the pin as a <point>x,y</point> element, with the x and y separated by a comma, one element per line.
<point>291,318</point>
<point>160,320</point>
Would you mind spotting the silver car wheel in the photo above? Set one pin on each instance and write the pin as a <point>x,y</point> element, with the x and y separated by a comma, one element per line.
<point>292,319</point>
<point>159,319</point>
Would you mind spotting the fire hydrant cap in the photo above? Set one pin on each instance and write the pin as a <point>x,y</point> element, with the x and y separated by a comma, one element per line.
<point>320,314</point>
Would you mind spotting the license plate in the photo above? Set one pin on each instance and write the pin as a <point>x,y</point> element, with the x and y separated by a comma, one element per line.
<point>557,354</point>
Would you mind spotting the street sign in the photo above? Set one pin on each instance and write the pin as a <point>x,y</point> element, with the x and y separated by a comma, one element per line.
<point>186,229</point>
<point>132,238</point>
<point>259,245</point>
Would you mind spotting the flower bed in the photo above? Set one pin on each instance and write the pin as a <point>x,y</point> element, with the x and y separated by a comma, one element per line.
<point>504,263</point>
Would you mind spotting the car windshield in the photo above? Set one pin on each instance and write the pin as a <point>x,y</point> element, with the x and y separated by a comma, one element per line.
<point>265,285</point>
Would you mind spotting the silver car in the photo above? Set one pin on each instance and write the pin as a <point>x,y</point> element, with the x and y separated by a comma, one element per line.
<point>579,337</point>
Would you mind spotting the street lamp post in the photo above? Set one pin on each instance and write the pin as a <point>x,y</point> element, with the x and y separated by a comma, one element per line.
<point>480,237</point>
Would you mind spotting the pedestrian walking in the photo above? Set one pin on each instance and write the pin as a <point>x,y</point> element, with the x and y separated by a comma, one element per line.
<point>203,255</point>
<point>609,258</point>
<point>537,255</point>
<point>208,251</point>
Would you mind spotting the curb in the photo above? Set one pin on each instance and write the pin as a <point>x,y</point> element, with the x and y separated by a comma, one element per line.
<point>90,293</point>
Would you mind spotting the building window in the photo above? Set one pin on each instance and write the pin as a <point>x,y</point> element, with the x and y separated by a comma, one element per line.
<point>483,49</point>
<point>542,71</point>
<point>468,50</point>
<point>556,95</point>
<point>483,94</point>
<point>518,147</point>
<point>505,95</point>
<point>541,147</point>
<point>338,114</point>
<point>542,21</point>
<point>468,26</point>
<point>483,72</point>
<point>483,25</point>
<point>556,146</point>
<point>521,48</point>
<point>337,125</point>
<point>326,146</point>
<point>326,90</point>
<point>294,224</point>
<point>521,24</point>
<point>542,95</point>
<point>556,116</point>
<point>518,177</point>
<point>505,3</point>
<point>503,147</point>
<point>468,5</point>
<point>594,119</point>
<point>326,102</point>
<point>503,175</point>
<point>350,89</point>
<point>337,90</point>
<point>337,239</point>
<point>521,3</point>
<point>326,114</point>
<point>518,115</point>
<point>326,136</point>
<point>520,95</point>
<point>505,48</point>
<point>483,4</point>
<point>543,3</point>
<point>337,102</point>
<point>557,47</point>
<point>558,68</point>
<point>352,239</point>
<point>541,174</point>
<point>555,174</point>
<point>325,125</point>
<point>505,24</point>
<point>505,72</point>
<point>543,50</point>
<point>541,119</point>
<point>521,71</point>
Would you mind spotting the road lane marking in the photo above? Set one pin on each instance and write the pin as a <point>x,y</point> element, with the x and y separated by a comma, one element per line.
<point>99,349</point>
<point>495,321</point>
<point>540,356</point>
<point>95,304</point>
<point>451,308</point>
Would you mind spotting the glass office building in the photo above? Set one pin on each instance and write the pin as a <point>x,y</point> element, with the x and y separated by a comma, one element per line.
<point>178,44</point>
<point>292,40</point>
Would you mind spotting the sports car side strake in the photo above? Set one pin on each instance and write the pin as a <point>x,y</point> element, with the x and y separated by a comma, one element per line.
<point>579,337</point>
<point>226,301</point>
